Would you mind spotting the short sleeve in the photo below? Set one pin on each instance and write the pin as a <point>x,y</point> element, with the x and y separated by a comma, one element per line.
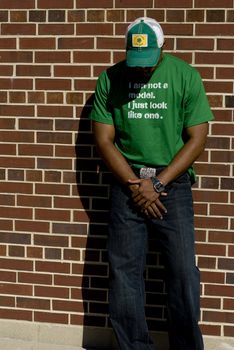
<point>101,111</point>
<point>196,105</point>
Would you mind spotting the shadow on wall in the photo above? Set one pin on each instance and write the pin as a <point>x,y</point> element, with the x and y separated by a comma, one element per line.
<point>93,186</point>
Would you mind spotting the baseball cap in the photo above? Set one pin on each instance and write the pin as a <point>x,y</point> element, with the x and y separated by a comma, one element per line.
<point>144,39</point>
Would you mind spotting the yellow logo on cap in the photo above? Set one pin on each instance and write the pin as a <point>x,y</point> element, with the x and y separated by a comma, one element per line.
<point>139,40</point>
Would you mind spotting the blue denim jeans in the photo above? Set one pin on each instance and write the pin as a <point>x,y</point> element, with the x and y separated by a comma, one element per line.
<point>127,248</point>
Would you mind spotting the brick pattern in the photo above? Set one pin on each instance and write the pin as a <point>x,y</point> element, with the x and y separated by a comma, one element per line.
<point>54,189</point>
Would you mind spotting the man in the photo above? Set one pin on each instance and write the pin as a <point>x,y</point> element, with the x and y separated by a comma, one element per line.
<point>150,117</point>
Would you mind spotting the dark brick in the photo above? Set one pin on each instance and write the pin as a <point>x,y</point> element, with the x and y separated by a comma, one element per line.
<point>56,16</point>
<point>37,16</point>
<point>215,16</point>
<point>229,101</point>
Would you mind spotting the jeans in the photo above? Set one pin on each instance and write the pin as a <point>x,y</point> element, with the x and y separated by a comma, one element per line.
<point>127,248</point>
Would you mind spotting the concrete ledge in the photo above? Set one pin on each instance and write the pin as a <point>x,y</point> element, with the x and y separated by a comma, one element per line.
<point>43,336</point>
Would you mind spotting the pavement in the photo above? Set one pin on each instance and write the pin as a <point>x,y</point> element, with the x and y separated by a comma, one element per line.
<point>17,344</point>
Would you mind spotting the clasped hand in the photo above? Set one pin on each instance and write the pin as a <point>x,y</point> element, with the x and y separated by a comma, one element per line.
<point>145,198</point>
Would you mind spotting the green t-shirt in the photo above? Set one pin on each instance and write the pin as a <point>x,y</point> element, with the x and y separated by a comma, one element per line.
<point>149,115</point>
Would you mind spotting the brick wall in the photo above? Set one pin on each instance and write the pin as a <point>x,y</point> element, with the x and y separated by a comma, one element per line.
<point>54,201</point>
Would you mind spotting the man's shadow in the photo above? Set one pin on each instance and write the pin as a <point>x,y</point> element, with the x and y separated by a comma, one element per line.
<point>93,186</point>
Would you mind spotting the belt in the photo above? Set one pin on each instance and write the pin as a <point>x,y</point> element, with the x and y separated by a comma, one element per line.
<point>147,172</point>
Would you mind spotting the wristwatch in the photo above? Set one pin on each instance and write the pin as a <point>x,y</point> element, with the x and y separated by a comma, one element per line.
<point>158,185</point>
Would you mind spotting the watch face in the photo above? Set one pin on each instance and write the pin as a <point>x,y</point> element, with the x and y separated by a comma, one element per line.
<point>158,186</point>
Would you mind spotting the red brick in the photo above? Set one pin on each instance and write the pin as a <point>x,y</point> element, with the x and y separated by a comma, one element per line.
<point>213,277</point>
<point>18,16</point>
<point>53,84</point>
<point>15,289</point>
<point>33,252</point>
<point>42,150</point>
<point>72,71</point>
<point>178,29</point>
<point>17,97</point>
<point>32,303</point>
<point>217,290</point>
<point>115,15</point>
<point>16,56</point>
<point>222,129</point>
<point>214,29</point>
<point>206,169</point>
<point>3,96</point>
<point>215,101</point>
<point>6,224</point>
<point>210,249</point>
<point>110,43</point>
<point>95,16</point>
<point>211,222</point>
<point>31,226</point>
<point>7,43</point>
<point>218,86</point>
<point>221,236</point>
<point>88,56</point>
<point>195,44</point>
<point>8,149</point>
<point>208,329</point>
<point>56,29</point>
<point>216,316</point>
<point>215,4</point>
<point>94,29</point>
<point>225,44</point>
<point>63,280</point>
<point>60,4</point>
<point>50,317</point>
<point>54,97</point>
<point>58,112</point>
<point>94,4</point>
<point>76,43</point>
<point>77,229</point>
<point>14,4</point>
<point>53,292</point>
<point>221,210</point>
<point>224,73</point>
<point>16,314</point>
<point>16,84</point>
<point>179,3</point>
<point>47,266</point>
<point>228,331</point>
<point>226,263</point>
<point>76,16</point>
<point>37,43</point>
<point>213,58</point>
<point>72,306</point>
<point>50,214</point>
<point>50,240</point>
<point>35,278</point>
<point>13,110</point>
<point>231,250</point>
<point>7,301</point>
<point>210,303</point>
<point>52,57</point>
<point>8,276</point>
<point>136,3</point>
<point>18,29</point>
<point>175,15</point>
<point>195,15</point>
<point>36,97</point>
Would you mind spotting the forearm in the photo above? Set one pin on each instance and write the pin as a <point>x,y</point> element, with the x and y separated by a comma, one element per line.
<point>115,162</point>
<point>186,156</point>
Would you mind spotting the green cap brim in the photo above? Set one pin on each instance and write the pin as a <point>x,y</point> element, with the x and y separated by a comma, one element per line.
<point>142,57</point>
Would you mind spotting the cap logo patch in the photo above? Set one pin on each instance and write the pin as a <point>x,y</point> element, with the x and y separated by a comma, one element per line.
<point>140,40</point>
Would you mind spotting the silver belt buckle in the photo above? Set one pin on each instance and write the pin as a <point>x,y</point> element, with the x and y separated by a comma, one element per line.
<point>147,173</point>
